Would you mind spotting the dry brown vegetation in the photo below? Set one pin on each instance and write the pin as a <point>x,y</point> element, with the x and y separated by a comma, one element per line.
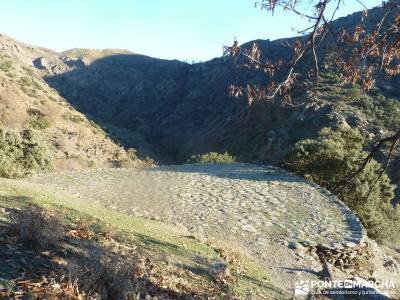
<point>86,264</point>
<point>60,255</point>
<point>37,228</point>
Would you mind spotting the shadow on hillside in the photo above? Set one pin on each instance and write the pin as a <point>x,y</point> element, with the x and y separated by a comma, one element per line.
<point>165,109</point>
<point>126,95</point>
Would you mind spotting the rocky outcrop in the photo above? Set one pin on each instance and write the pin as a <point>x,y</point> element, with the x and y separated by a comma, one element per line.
<point>41,63</point>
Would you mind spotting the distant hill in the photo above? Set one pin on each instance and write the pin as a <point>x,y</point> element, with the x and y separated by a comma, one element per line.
<point>27,101</point>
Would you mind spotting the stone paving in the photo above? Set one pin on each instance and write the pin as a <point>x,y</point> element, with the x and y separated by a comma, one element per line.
<point>244,203</point>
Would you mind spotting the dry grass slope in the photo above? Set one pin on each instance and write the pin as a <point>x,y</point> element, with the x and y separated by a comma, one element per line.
<point>74,141</point>
<point>77,249</point>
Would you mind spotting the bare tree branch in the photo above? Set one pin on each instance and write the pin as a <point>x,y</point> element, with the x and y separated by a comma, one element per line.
<point>356,54</point>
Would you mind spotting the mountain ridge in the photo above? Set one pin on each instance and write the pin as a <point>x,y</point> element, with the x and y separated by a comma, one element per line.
<point>170,110</point>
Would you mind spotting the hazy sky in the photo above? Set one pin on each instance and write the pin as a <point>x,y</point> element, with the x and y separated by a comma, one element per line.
<point>181,29</point>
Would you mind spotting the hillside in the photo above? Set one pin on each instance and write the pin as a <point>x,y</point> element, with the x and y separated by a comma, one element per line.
<point>169,110</point>
<point>26,101</point>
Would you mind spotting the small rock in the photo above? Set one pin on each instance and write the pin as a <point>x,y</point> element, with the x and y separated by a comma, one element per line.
<point>353,254</point>
<point>348,244</point>
<point>185,195</point>
<point>324,246</point>
<point>295,246</point>
<point>314,255</point>
<point>249,228</point>
<point>390,265</point>
<point>156,217</point>
<point>219,270</point>
<point>267,224</point>
<point>337,246</point>
<point>227,196</point>
<point>306,243</point>
<point>41,63</point>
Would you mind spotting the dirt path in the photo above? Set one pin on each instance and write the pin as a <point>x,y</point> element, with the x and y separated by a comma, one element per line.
<point>255,208</point>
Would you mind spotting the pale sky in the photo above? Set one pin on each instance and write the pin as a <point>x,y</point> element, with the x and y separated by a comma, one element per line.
<point>171,29</point>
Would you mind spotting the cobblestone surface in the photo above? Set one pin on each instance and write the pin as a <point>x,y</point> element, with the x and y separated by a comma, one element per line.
<point>242,202</point>
<point>260,210</point>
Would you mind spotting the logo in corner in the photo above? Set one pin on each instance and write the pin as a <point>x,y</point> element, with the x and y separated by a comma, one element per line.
<point>302,288</point>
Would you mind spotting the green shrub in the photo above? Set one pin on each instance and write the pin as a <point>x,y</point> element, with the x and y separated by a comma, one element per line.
<point>39,122</point>
<point>212,157</point>
<point>95,125</point>
<point>22,154</point>
<point>76,119</point>
<point>25,81</point>
<point>5,66</point>
<point>29,82</point>
<point>72,117</point>
<point>330,160</point>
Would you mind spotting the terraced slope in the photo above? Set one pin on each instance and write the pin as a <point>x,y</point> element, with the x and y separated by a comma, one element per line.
<point>255,208</point>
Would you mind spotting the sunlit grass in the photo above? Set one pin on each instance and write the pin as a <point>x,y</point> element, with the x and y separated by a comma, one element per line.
<point>163,243</point>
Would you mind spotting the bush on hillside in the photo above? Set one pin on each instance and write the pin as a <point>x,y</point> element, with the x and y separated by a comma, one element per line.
<point>38,228</point>
<point>39,123</point>
<point>110,274</point>
<point>331,159</point>
<point>72,117</point>
<point>212,157</point>
<point>22,154</point>
<point>5,65</point>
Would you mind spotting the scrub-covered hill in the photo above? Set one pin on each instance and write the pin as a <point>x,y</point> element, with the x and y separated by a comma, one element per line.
<point>28,102</point>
